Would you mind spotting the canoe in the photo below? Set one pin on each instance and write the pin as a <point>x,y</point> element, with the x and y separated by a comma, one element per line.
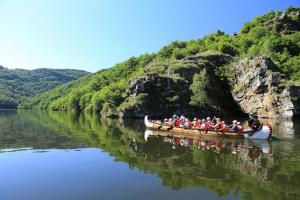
<point>264,133</point>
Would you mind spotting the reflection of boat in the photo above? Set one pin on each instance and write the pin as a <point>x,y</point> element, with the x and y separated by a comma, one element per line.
<point>147,133</point>
<point>264,133</point>
<point>213,143</point>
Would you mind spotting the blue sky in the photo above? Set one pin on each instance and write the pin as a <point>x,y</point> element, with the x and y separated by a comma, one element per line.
<point>96,34</point>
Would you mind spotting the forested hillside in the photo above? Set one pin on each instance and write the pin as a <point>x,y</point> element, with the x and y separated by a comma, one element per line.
<point>16,85</point>
<point>274,35</point>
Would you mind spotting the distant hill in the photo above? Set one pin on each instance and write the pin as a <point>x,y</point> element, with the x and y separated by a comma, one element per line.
<point>17,85</point>
<point>196,75</point>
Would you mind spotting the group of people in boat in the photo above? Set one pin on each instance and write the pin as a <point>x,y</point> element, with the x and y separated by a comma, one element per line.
<point>204,124</point>
<point>212,124</point>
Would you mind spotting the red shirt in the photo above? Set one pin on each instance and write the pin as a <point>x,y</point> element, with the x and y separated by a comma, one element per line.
<point>207,124</point>
<point>198,124</point>
<point>224,127</point>
<point>177,122</point>
<point>218,125</point>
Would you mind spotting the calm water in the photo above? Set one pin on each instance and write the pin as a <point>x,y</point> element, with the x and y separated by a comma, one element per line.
<point>67,156</point>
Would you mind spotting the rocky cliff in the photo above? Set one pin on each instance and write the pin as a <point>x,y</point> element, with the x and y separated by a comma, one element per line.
<point>165,88</point>
<point>259,86</point>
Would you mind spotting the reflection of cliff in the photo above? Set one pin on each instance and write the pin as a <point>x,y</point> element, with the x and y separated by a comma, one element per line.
<point>282,128</point>
<point>253,162</point>
<point>224,166</point>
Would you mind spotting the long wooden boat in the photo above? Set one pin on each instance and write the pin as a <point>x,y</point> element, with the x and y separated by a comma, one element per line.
<point>264,133</point>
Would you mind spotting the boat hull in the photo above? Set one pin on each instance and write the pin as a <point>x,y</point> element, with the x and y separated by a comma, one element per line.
<point>264,133</point>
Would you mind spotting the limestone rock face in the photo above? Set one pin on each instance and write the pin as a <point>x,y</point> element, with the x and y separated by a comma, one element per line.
<point>258,86</point>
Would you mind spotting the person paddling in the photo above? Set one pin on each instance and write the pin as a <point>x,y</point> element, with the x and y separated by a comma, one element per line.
<point>224,127</point>
<point>166,122</point>
<point>203,124</point>
<point>195,122</point>
<point>207,123</point>
<point>177,122</point>
<point>198,124</point>
<point>217,125</point>
<point>253,122</point>
<point>240,127</point>
<point>233,126</point>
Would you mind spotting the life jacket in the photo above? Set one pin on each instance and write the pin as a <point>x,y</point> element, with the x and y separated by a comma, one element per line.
<point>198,124</point>
<point>218,125</point>
<point>207,124</point>
<point>224,127</point>
<point>190,125</point>
<point>177,122</point>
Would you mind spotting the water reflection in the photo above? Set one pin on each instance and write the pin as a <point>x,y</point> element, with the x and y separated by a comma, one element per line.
<point>253,169</point>
<point>251,157</point>
<point>218,145</point>
<point>283,128</point>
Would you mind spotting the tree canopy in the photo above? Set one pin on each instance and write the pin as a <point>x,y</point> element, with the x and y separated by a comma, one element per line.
<point>16,85</point>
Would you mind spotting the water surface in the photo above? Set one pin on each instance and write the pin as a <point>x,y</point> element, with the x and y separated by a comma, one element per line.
<point>53,155</point>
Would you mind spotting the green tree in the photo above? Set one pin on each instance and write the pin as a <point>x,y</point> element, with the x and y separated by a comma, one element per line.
<point>199,88</point>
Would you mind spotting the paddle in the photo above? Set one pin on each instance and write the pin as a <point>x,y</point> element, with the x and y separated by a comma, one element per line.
<point>213,119</point>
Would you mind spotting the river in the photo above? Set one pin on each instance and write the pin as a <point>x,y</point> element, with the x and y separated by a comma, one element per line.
<point>64,155</point>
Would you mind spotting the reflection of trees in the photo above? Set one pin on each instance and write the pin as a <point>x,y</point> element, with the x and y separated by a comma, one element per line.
<point>33,129</point>
<point>237,167</point>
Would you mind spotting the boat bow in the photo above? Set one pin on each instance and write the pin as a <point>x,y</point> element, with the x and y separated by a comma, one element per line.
<point>147,122</point>
<point>264,133</point>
